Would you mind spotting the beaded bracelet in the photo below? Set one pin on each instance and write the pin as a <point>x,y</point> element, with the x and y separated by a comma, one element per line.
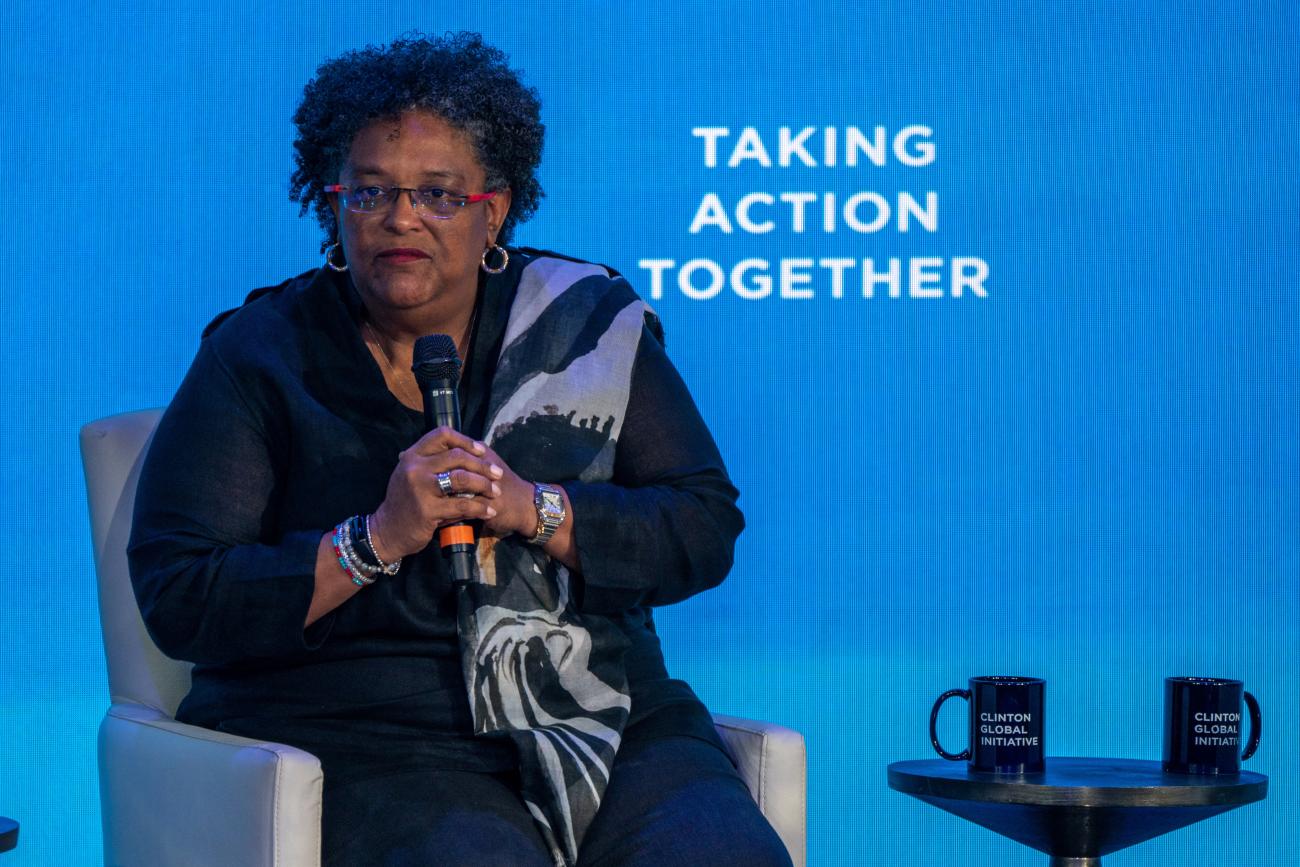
<point>352,534</point>
<point>342,550</point>
<point>364,548</point>
<point>356,552</point>
<point>354,558</point>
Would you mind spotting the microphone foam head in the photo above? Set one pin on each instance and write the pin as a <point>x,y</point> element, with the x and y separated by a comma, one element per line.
<point>435,359</point>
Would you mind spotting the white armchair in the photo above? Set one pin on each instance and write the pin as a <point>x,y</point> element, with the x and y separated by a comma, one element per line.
<point>173,793</point>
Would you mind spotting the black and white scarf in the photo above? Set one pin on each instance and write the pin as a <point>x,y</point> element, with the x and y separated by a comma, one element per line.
<point>538,671</point>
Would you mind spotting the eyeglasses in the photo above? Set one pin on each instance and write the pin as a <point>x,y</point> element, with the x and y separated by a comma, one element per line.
<point>432,202</point>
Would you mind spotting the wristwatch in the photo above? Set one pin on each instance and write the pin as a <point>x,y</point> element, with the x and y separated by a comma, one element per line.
<point>550,512</point>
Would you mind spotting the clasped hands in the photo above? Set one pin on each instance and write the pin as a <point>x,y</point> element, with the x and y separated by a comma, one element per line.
<point>414,506</point>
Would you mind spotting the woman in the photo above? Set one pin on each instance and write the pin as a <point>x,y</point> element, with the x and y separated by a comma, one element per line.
<point>283,536</point>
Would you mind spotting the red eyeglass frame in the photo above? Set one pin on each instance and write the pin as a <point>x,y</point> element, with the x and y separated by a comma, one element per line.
<point>470,198</point>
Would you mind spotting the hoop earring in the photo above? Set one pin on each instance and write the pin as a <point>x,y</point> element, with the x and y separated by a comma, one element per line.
<point>505,260</point>
<point>329,258</point>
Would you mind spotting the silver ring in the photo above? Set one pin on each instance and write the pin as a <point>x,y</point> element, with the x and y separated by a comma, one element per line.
<point>444,484</point>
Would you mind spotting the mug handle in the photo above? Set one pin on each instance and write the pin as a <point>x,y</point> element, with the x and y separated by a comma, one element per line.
<point>934,718</point>
<point>1255,720</point>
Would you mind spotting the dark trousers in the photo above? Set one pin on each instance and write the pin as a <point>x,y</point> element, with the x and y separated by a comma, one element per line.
<point>671,801</point>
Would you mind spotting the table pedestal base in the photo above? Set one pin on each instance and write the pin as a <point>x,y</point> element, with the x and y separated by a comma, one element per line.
<point>1075,836</point>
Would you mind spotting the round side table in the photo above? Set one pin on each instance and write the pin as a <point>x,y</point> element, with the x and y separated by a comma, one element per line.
<point>1077,810</point>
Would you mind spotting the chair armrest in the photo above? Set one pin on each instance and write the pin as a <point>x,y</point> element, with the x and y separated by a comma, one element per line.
<point>772,761</point>
<point>173,792</point>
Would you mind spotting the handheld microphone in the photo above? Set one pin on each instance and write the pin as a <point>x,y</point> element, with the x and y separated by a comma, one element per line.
<point>437,369</point>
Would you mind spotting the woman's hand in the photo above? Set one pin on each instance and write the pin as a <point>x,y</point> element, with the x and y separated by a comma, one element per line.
<point>415,506</point>
<point>516,512</point>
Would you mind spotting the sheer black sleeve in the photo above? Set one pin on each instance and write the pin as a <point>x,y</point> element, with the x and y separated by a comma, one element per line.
<point>211,588</point>
<point>665,527</point>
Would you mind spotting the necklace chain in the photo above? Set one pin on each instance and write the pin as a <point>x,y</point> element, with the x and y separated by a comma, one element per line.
<point>388,361</point>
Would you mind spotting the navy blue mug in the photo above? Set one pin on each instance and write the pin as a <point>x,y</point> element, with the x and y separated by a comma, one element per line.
<point>1203,725</point>
<point>1006,724</point>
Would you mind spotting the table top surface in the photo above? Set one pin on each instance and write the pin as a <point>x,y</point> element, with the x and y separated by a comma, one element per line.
<point>1082,782</point>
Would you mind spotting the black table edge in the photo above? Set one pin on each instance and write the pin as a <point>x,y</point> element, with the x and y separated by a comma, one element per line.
<point>1035,789</point>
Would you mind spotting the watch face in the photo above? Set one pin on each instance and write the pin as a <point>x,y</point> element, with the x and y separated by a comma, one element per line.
<point>552,502</point>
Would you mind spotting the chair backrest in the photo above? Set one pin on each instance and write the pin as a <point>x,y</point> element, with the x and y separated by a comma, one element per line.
<point>112,452</point>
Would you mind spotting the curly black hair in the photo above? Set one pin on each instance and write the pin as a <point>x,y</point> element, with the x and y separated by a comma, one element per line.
<point>458,77</point>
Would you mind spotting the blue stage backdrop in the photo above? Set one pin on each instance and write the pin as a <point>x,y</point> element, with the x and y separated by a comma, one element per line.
<point>992,310</point>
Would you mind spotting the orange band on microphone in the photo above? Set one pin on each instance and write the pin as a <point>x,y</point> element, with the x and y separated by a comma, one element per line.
<point>460,534</point>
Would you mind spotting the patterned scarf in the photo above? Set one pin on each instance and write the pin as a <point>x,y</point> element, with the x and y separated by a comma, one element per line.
<point>538,671</point>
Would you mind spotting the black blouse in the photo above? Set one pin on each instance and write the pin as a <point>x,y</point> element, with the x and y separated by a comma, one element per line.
<point>283,427</point>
